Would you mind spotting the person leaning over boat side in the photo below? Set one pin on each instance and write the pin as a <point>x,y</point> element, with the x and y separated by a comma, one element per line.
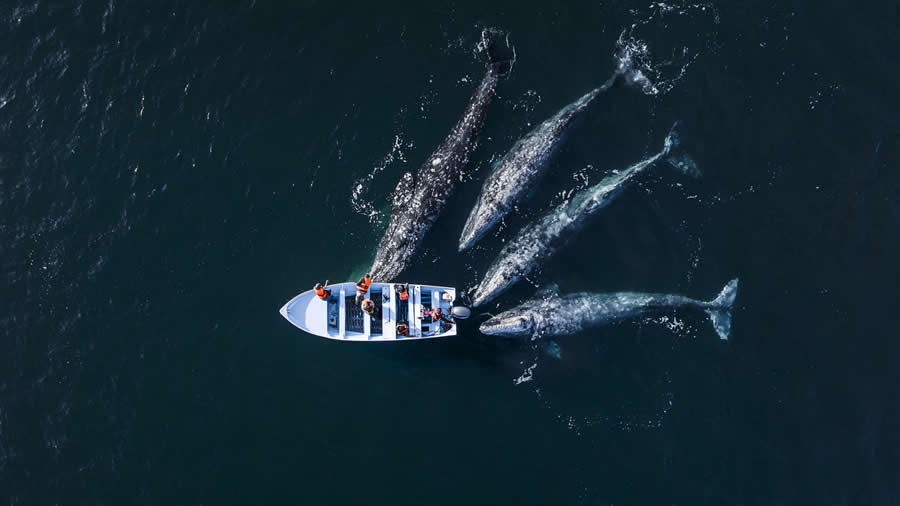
<point>436,314</point>
<point>322,292</point>
<point>403,291</point>
<point>362,287</point>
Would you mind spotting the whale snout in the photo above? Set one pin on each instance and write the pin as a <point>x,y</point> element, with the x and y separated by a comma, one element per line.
<point>508,326</point>
<point>466,241</point>
<point>469,235</point>
<point>480,222</point>
<point>478,295</point>
<point>481,297</point>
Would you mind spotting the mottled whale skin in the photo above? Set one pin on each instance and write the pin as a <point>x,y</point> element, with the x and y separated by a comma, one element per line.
<point>418,200</point>
<point>521,169</point>
<point>569,314</point>
<point>540,240</point>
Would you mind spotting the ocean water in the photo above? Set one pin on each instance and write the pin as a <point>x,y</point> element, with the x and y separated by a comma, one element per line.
<point>172,172</point>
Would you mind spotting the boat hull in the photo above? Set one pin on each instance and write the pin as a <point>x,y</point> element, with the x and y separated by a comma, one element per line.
<point>340,318</point>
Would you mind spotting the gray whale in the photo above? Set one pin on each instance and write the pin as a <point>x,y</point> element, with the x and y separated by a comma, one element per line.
<point>538,241</point>
<point>418,200</point>
<point>516,174</point>
<point>569,314</point>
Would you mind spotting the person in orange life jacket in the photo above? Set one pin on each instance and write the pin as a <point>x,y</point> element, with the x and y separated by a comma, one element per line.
<point>402,329</point>
<point>436,314</point>
<point>362,287</point>
<point>403,291</point>
<point>322,293</point>
<point>368,307</point>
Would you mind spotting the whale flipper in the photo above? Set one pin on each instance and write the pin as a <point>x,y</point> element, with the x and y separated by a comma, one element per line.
<point>552,349</point>
<point>721,308</point>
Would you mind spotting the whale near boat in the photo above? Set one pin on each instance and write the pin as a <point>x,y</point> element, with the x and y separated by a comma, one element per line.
<point>341,318</point>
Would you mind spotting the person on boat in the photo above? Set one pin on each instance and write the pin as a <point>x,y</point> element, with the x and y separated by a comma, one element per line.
<point>403,291</point>
<point>322,292</point>
<point>369,308</point>
<point>436,314</point>
<point>362,288</point>
<point>402,329</point>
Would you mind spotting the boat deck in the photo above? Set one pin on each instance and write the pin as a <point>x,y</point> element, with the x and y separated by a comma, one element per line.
<point>341,318</point>
<point>354,314</point>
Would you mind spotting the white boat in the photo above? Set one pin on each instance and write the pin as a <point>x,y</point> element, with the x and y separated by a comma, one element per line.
<point>340,318</point>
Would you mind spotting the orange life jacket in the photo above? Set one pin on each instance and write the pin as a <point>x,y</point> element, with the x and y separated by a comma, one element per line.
<point>404,295</point>
<point>322,293</point>
<point>362,288</point>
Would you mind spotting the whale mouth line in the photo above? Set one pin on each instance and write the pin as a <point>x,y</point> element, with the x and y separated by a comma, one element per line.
<point>467,237</point>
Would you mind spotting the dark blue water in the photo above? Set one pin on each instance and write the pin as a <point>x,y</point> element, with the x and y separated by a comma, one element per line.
<point>172,172</point>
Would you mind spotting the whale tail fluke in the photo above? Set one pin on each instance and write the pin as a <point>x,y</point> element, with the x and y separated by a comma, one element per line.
<point>675,155</point>
<point>501,55</point>
<point>629,70</point>
<point>720,309</point>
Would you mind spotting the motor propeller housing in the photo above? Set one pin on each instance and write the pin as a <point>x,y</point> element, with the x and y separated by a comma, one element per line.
<point>461,312</point>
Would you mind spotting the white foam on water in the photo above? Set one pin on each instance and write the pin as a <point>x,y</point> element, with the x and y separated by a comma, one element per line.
<point>527,375</point>
<point>624,422</point>
<point>651,73</point>
<point>358,201</point>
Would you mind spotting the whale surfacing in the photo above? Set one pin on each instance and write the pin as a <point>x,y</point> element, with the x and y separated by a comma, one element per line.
<point>538,241</point>
<point>569,314</point>
<point>521,169</point>
<point>419,199</point>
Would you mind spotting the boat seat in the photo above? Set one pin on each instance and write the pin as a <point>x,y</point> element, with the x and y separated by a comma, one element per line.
<point>354,315</point>
<point>333,312</point>
<point>376,318</point>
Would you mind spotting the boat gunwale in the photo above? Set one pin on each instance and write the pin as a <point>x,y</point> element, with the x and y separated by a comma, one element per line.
<point>352,336</point>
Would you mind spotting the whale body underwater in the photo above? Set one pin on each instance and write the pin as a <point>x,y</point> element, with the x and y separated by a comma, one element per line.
<point>418,199</point>
<point>538,241</point>
<point>560,315</point>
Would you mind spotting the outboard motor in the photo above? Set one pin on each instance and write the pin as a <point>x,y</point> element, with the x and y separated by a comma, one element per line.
<point>460,312</point>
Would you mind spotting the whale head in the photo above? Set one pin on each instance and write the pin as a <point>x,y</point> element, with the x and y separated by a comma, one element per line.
<point>512,324</point>
<point>483,218</point>
<point>504,273</point>
<point>470,233</point>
